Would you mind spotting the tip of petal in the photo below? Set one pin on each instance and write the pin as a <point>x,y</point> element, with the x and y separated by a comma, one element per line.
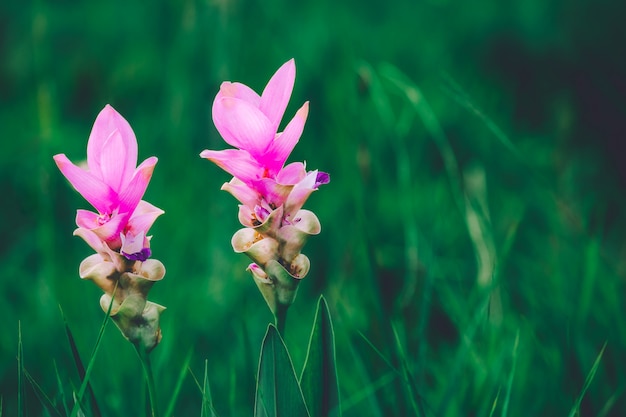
<point>303,112</point>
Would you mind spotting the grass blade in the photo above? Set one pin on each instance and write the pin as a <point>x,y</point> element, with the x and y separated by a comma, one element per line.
<point>79,365</point>
<point>319,381</point>
<point>42,396</point>
<point>61,389</point>
<point>207,399</point>
<point>278,392</point>
<point>179,383</point>
<point>509,384</point>
<point>417,402</point>
<point>20,371</point>
<point>422,108</point>
<point>494,404</point>
<point>463,99</point>
<point>79,396</point>
<point>592,373</point>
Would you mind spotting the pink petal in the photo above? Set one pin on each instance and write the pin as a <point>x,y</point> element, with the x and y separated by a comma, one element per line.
<point>132,244</point>
<point>277,93</point>
<point>291,174</point>
<point>242,125</point>
<point>273,193</point>
<point>86,219</point>
<point>283,144</point>
<point>246,195</point>
<point>96,192</point>
<point>113,162</point>
<point>142,219</point>
<point>107,122</point>
<point>237,163</point>
<point>109,232</point>
<point>300,194</point>
<point>246,216</point>
<point>136,188</point>
<point>240,91</point>
<point>90,238</point>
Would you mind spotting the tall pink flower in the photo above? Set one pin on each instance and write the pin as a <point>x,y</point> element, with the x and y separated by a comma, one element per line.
<point>271,193</point>
<point>114,185</point>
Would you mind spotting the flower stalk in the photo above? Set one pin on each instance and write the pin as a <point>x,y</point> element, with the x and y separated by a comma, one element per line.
<point>146,364</point>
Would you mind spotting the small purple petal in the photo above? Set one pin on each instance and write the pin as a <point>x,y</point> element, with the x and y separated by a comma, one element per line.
<point>322,178</point>
<point>138,256</point>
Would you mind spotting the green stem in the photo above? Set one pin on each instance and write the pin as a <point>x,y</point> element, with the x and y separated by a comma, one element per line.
<point>281,318</point>
<point>144,356</point>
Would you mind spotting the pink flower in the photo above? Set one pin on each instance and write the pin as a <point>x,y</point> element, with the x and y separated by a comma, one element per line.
<point>250,123</point>
<point>113,184</point>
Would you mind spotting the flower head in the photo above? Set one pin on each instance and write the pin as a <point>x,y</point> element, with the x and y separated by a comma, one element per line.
<point>250,123</point>
<point>112,183</point>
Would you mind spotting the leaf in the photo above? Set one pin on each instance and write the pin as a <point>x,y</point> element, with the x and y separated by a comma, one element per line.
<point>61,389</point>
<point>20,371</point>
<point>207,400</point>
<point>278,392</point>
<point>79,365</point>
<point>592,373</point>
<point>78,397</point>
<point>319,381</point>
<point>509,385</point>
<point>416,400</point>
<point>179,384</point>
<point>43,398</point>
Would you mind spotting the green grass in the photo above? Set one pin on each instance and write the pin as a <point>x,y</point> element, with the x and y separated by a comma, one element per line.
<point>471,251</point>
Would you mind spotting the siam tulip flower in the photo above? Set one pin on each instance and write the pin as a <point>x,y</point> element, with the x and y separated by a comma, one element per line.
<point>114,185</point>
<point>271,193</point>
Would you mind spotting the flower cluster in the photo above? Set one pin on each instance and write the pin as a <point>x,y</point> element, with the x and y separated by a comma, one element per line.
<point>271,194</point>
<point>114,185</point>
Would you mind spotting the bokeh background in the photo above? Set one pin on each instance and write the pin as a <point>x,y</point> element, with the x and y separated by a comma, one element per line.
<point>472,234</point>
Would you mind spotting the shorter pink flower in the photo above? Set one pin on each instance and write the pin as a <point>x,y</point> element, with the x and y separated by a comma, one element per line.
<point>113,184</point>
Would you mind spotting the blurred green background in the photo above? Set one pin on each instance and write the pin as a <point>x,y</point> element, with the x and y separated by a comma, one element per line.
<point>472,232</point>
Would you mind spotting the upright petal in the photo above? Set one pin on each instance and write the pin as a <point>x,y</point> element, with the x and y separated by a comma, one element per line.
<point>277,93</point>
<point>283,144</point>
<point>113,164</point>
<point>135,190</point>
<point>240,91</point>
<point>107,122</point>
<point>237,163</point>
<point>96,192</point>
<point>242,125</point>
